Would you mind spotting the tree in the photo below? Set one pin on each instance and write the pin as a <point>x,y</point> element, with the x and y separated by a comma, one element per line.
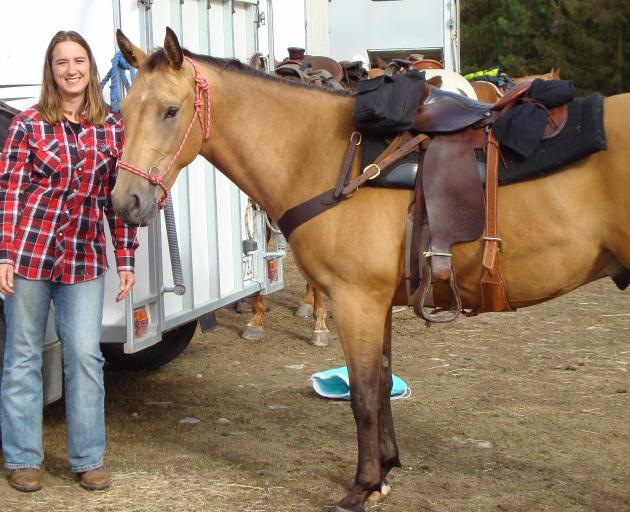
<point>587,39</point>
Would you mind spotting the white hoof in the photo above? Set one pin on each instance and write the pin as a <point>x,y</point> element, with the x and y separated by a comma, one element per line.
<point>320,338</point>
<point>252,333</point>
<point>377,497</point>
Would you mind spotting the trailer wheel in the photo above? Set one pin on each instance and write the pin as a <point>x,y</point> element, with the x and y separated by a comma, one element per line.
<point>173,343</point>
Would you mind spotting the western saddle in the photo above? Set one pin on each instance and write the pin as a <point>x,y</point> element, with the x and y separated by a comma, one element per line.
<point>320,71</point>
<point>449,205</point>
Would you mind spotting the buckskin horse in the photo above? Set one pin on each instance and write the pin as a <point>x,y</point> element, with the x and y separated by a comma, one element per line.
<point>559,231</point>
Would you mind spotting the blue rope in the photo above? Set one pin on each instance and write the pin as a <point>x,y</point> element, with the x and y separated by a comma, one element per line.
<point>117,74</point>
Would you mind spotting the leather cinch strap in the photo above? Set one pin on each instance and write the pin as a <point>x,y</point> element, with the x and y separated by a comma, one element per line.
<point>305,211</point>
<point>493,287</point>
<point>299,214</point>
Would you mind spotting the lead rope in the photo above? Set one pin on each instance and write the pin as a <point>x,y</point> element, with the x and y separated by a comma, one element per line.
<point>117,74</point>
<point>202,95</point>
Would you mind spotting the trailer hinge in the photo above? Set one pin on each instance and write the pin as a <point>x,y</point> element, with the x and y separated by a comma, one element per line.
<point>147,3</point>
<point>260,19</point>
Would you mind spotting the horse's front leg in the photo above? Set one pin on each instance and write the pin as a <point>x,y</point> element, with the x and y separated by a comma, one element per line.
<point>387,438</point>
<point>362,341</point>
<point>254,329</point>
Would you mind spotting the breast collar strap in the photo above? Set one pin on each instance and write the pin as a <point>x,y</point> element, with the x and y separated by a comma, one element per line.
<point>202,97</point>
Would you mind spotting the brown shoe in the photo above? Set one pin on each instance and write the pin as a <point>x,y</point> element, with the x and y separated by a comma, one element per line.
<point>95,479</point>
<point>26,479</point>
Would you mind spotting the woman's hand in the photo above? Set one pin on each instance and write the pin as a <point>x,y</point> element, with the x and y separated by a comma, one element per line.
<point>6,278</point>
<point>127,280</point>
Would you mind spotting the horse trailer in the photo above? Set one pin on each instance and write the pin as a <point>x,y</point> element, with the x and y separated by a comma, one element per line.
<point>367,29</point>
<point>222,242</point>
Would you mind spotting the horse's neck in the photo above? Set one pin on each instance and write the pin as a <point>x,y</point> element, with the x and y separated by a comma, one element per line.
<point>279,143</point>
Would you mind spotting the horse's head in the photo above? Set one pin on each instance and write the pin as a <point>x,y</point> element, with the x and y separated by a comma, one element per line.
<point>161,134</point>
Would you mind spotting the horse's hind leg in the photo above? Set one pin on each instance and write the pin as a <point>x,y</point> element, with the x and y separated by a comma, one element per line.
<point>362,341</point>
<point>305,309</point>
<point>387,437</point>
<point>254,329</point>
<point>320,337</point>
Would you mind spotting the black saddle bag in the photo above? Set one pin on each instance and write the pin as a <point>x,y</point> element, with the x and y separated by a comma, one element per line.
<point>388,104</point>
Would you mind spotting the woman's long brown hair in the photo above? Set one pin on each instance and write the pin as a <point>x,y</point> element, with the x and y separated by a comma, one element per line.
<point>50,100</point>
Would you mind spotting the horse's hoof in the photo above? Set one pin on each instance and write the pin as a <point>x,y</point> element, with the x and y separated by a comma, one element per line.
<point>378,497</point>
<point>252,333</point>
<point>320,338</point>
<point>339,508</point>
<point>304,311</point>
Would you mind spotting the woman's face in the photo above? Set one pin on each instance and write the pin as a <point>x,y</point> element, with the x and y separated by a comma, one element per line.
<point>70,69</point>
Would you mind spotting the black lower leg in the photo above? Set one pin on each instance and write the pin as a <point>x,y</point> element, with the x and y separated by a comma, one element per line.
<point>387,437</point>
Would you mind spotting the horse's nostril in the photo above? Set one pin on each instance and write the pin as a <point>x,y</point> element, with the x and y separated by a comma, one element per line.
<point>136,202</point>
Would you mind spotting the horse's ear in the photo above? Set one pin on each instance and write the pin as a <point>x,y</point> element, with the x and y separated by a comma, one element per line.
<point>173,51</point>
<point>556,73</point>
<point>132,54</point>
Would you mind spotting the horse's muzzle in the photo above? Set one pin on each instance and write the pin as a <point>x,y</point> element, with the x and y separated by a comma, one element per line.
<point>135,209</point>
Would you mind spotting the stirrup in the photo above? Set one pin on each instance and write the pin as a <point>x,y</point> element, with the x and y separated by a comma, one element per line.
<point>437,316</point>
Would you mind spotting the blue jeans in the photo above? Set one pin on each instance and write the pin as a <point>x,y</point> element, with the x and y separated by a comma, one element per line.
<point>2,336</point>
<point>78,318</point>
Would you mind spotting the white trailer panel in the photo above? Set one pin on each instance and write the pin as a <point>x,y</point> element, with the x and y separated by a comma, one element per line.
<point>368,27</point>
<point>317,28</point>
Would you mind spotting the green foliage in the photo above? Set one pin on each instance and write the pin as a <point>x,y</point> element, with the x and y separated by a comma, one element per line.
<point>589,40</point>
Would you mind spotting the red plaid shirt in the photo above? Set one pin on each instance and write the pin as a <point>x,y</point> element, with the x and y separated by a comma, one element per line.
<point>54,193</point>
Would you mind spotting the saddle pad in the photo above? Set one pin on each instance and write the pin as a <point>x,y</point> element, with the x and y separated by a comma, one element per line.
<point>335,383</point>
<point>583,135</point>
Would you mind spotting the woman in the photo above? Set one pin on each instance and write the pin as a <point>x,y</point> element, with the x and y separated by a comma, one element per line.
<point>56,171</point>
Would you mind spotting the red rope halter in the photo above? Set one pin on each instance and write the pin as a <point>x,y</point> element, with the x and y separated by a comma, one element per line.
<point>202,95</point>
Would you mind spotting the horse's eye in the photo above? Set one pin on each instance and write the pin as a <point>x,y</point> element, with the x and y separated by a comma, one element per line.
<point>170,112</point>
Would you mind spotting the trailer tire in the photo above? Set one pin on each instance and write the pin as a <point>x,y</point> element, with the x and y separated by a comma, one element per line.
<point>173,344</point>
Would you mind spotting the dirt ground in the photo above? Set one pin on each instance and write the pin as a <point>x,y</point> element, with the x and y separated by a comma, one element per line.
<point>524,411</point>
